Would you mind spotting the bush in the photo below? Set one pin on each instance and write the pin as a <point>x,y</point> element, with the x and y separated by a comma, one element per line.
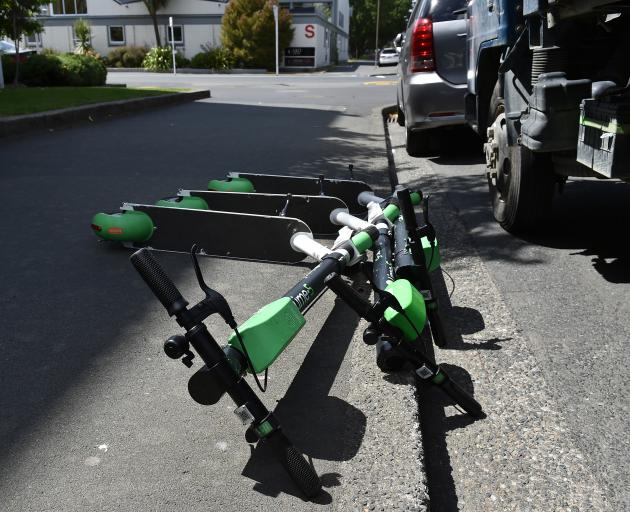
<point>8,68</point>
<point>213,58</point>
<point>67,69</point>
<point>158,59</point>
<point>42,70</point>
<point>161,59</point>
<point>83,70</point>
<point>127,57</point>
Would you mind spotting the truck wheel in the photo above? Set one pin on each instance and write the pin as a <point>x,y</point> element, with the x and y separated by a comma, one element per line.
<point>522,190</point>
<point>416,143</point>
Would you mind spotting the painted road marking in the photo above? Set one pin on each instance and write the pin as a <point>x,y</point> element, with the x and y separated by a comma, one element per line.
<point>382,82</point>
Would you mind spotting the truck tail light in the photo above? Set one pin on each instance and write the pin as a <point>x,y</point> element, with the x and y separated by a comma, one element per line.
<point>422,58</point>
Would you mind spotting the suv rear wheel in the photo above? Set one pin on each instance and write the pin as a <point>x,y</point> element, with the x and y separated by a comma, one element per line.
<point>521,182</point>
<point>416,143</point>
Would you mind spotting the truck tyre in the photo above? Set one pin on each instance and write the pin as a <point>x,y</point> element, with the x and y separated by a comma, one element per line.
<point>522,192</point>
<point>416,143</point>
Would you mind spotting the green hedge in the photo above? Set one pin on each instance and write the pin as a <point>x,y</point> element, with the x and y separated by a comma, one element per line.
<point>59,70</point>
<point>8,68</point>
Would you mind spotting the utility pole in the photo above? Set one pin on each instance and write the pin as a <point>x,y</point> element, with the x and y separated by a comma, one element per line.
<point>172,28</point>
<point>378,14</point>
<point>275,17</point>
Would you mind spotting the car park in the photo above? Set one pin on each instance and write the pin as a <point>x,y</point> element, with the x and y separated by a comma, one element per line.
<point>432,71</point>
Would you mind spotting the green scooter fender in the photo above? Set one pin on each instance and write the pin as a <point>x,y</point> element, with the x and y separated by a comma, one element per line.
<point>127,226</point>
<point>191,202</point>
<point>232,185</point>
<point>415,318</point>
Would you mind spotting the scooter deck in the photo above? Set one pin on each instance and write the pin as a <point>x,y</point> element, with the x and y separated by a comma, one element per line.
<point>346,190</point>
<point>313,210</point>
<point>222,234</point>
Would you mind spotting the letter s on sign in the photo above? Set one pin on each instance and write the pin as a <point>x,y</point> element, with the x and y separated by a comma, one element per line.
<point>309,31</point>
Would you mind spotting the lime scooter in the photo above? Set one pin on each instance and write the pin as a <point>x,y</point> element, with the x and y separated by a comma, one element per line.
<point>248,207</point>
<point>346,190</point>
<point>396,331</point>
<point>255,345</point>
<point>252,347</point>
<point>416,253</point>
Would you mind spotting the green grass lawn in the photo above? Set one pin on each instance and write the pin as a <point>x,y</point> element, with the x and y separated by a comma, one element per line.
<point>28,100</point>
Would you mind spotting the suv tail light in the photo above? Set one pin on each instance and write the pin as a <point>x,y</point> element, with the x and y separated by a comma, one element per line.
<point>422,46</point>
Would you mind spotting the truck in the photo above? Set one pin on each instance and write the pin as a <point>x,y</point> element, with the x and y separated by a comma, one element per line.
<point>548,88</point>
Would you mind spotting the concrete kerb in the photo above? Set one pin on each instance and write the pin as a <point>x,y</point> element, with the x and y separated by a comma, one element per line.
<point>387,472</point>
<point>194,71</point>
<point>54,119</point>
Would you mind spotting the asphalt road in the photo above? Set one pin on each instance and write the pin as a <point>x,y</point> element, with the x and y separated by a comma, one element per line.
<point>94,416</point>
<point>554,306</point>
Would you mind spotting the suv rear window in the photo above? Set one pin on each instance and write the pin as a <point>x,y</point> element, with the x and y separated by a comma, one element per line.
<point>442,10</point>
<point>388,50</point>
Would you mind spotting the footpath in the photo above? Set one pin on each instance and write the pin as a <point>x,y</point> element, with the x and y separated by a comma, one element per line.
<point>522,456</point>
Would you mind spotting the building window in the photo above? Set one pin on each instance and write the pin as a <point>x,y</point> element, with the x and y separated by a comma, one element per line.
<point>178,34</point>
<point>341,20</point>
<point>33,40</point>
<point>60,7</point>
<point>116,34</point>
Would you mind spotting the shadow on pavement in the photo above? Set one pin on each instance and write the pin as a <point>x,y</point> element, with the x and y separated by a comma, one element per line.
<point>435,424</point>
<point>587,217</point>
<point>314,421</point>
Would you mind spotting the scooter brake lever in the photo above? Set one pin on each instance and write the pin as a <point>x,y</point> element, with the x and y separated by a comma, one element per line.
<point>214,298</point>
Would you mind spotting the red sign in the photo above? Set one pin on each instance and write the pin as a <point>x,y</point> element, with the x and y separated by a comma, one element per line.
<point>309,31</point>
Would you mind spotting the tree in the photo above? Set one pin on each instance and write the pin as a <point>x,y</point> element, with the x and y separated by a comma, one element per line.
<point>153,6</point>
<point>394,14</point>
<point>248,32</point>
<point>83,34</point>
<point>17,17</point>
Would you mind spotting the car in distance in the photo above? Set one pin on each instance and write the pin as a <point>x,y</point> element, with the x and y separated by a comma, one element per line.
<point>9,49</point>
<point>432,71</point>
<point>388,57</point>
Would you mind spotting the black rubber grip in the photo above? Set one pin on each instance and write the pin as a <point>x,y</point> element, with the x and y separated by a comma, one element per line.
<point>296,465</point>
<point>160,284</point>
<point>462,398</point>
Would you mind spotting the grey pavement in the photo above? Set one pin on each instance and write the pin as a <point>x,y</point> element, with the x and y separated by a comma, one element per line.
<point>540,325</point>
<point>94,416</point>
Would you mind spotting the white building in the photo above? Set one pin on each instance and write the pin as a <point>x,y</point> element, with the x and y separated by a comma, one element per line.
<point>321,28</point>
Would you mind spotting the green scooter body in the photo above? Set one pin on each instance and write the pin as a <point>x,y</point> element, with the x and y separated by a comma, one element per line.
<point>268,332</point>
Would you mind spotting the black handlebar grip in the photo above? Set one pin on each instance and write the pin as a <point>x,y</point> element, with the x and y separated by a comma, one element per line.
<point>462,398</point>
<point>160,284</point>
<point>295,464</point>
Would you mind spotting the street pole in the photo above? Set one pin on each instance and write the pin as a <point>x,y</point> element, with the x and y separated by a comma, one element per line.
<point>170,24</point>
<point>275,17</point>
<point>1,73</point>
<point>378,14</point>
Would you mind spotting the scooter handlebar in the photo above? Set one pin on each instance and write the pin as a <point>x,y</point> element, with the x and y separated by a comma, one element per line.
<point>365,198</point>
<point>160,284</point>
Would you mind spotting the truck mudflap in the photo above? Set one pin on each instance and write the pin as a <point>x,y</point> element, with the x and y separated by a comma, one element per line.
<point>551,123</point>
